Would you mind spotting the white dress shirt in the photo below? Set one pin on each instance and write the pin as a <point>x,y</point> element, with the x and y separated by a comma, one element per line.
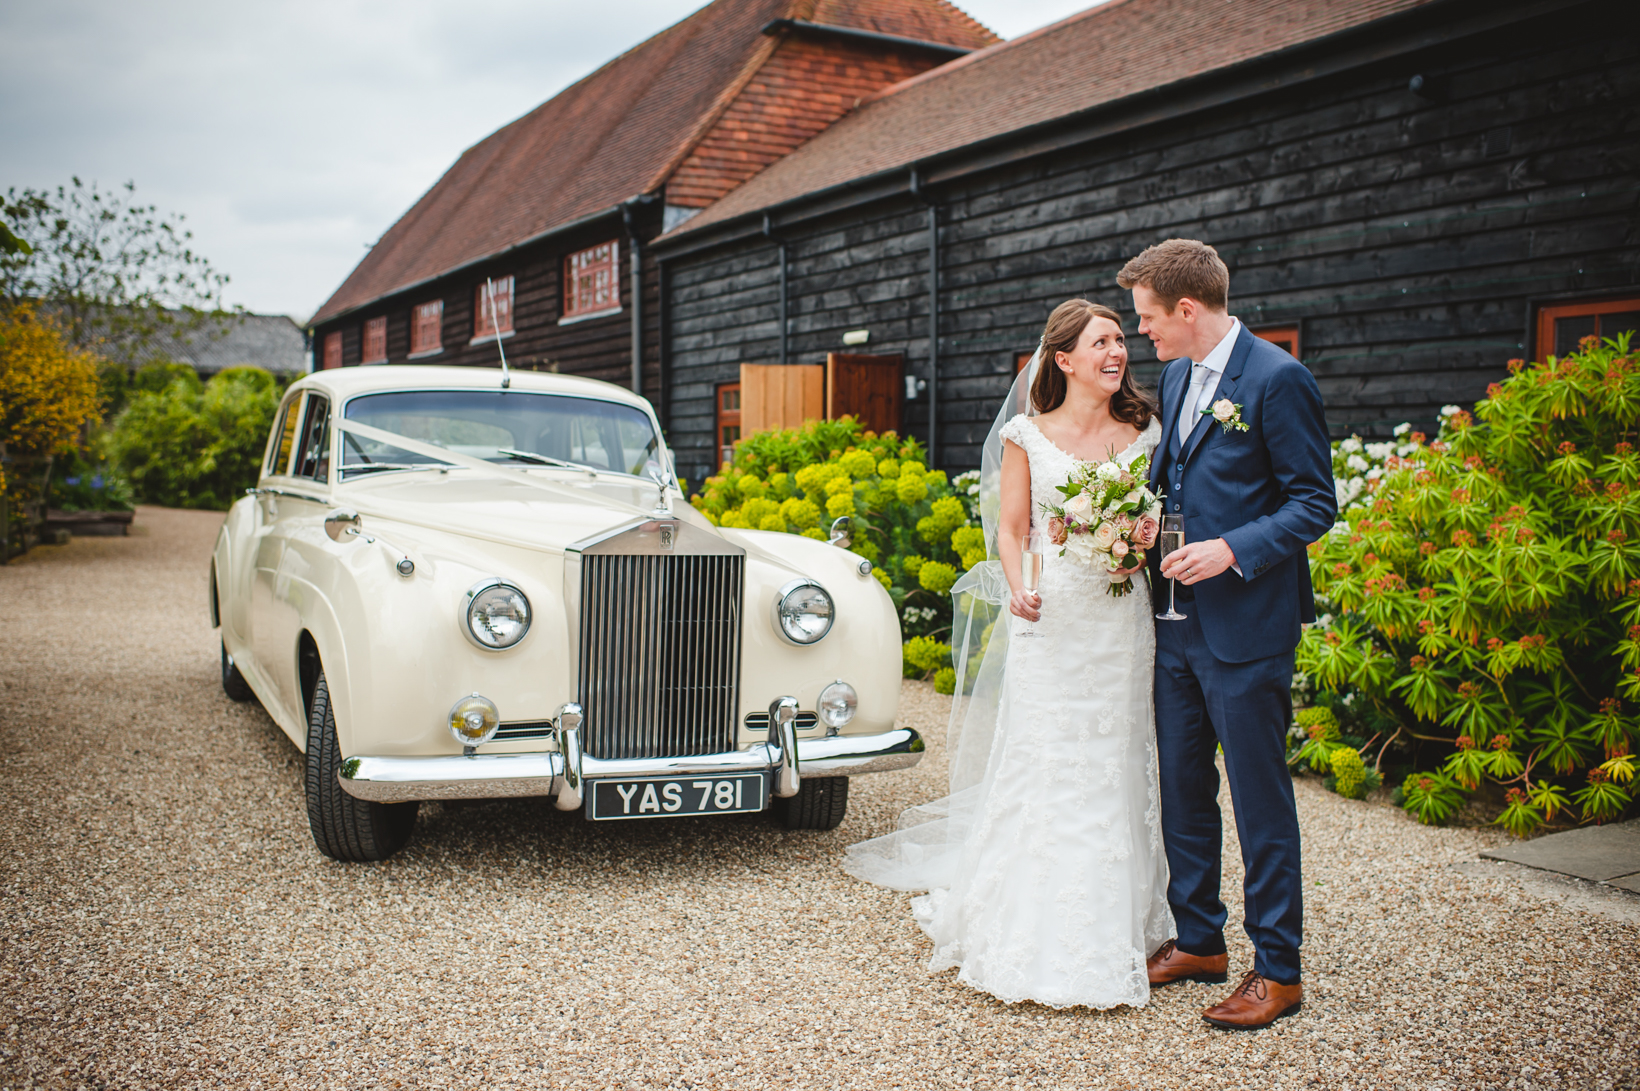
<point>1204,383</point>
<point>1204,380</point>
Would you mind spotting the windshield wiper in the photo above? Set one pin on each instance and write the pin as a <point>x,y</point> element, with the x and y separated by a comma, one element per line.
<point>547,460</point>
<point>372,467</point>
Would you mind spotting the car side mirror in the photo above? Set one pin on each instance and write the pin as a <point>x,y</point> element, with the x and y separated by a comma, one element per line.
<point>842,530</point>
<point>339,524</point>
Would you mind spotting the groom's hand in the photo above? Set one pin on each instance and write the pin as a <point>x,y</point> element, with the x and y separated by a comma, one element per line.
<point>1198,561</point>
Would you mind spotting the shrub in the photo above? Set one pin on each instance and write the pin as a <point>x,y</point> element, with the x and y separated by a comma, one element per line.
<point>189,444</point>
<point>1484,600</point>
<point>924,655</point>
<point>945,681</point>
<point>48,392</point>
<point>910,522</point>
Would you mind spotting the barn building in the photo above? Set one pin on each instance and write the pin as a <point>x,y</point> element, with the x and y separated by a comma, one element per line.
<point>1408,193</point>
<point>550,216</point>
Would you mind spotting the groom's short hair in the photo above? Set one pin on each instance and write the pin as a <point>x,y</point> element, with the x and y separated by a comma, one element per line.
<point>1177,268</point>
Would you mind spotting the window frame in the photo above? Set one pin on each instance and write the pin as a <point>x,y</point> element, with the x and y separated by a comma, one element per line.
<point>1276,335</point>
<point>726,418</point>
<point>375,335</point>
<point>1547,313</point>
<point>310,456</point>
<point>417,324</point>
<point>272,467</point>
<point>332,351</point>
<point>505,297</point>
<point>574,308</point>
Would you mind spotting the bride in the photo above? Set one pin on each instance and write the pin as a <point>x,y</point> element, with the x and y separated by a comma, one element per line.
<point>1044,867</point>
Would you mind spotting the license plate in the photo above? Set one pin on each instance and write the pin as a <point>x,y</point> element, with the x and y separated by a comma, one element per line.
<point>658,798</point>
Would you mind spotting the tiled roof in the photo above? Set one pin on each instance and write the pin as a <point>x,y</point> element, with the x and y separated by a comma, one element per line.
<point>619,132</point>
<point>1097,56</point>
<point>272,342</point>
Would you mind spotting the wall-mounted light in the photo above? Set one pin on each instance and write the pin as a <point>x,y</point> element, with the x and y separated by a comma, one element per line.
<point>856,337</point>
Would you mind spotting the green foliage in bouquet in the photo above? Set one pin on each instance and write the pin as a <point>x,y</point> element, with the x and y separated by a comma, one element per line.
<point>1485,592</point>
<point>187,444</point>
<point>917,528</point>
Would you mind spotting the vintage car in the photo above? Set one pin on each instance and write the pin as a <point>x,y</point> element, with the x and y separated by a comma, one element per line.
<point>458,583</point>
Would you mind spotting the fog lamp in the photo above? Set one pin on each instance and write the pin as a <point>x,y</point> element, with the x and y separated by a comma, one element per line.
<point>474,720</point>
<point>838,703</point>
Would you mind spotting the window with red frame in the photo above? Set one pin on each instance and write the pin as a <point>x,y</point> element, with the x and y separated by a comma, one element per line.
<point>375,341</point>
<point>500,319</point>
<point>728,420</point>
<point>1283,337</point>
<point>427,328</point>
<point>333,350</point>
<point>592,280</point>
<point>1562,325</point>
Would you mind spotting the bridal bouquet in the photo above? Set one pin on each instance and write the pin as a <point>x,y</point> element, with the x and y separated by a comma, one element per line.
<point>1109,518</point>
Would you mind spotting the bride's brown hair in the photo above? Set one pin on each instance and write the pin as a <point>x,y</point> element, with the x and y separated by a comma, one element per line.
<point>1129,404</point>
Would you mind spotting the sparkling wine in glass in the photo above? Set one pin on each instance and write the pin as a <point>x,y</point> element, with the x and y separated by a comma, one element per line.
<point>1172,540</point>
<point>1030,563</point>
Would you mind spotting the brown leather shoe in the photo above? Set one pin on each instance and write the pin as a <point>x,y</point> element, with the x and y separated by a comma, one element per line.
<point>1256,1002</point>
<point>1169,964</point>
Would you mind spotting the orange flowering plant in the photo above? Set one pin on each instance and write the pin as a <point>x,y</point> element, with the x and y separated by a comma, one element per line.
<point>1483,593</point>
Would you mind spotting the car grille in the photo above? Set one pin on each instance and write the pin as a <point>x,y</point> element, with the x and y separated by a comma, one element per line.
<point>759,721</point>
<point>660,654</point>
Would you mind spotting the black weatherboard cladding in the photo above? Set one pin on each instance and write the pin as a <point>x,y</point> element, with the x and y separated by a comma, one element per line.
<point>1408,235</point>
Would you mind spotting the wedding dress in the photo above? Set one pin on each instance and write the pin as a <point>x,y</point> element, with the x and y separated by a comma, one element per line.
<point>1046,879</point>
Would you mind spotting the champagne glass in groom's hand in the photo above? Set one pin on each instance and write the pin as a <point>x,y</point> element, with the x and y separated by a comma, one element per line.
<point>1172,540</point>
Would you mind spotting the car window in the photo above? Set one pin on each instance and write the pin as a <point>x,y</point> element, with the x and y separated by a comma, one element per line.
<point>314,459</point>
<point>485,423</point>
<point>285,437</point>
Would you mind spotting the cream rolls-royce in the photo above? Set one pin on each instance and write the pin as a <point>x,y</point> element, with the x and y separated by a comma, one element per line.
<point>459,583</point>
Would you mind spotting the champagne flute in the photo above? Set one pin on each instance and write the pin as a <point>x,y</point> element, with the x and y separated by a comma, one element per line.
<point>1030,564</point>
<point>1172,539</point>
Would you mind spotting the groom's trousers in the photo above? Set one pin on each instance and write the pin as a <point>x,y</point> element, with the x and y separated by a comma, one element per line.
<point>1202,701</point>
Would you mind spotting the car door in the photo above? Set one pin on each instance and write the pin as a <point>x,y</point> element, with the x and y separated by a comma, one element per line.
<point>291,502</point>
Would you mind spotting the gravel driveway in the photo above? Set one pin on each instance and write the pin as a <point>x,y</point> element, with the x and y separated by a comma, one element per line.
<point>166,922</point>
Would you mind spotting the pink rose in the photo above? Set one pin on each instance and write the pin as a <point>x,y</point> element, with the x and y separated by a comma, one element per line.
<point>1147,530</point>
<point>1124,523</point>
<point>1119,549</point>
<point>1056,530</point>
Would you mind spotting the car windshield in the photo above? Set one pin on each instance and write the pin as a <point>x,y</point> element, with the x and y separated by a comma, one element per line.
<point>502,426</point>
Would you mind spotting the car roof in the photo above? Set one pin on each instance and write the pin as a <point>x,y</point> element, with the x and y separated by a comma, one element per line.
<point>345,382</point>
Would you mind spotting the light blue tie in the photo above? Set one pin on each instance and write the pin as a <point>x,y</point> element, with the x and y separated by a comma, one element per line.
<point>1192,409</point>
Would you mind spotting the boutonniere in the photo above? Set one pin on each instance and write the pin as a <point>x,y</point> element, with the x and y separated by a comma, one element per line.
<point>1228,414</point>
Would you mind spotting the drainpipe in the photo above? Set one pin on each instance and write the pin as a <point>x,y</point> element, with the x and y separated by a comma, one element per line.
<point>933,317</point>
<point>780,244</point>
<point>635,259</point>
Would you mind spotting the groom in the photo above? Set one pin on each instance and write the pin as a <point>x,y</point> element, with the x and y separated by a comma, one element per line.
<point>1245,459</point>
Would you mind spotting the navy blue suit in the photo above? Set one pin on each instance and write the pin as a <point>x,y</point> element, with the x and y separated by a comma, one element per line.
<point>1224,676</point>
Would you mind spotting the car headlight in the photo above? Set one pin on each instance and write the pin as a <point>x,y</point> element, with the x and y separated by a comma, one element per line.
<point>474,720</point>
<point>803,612</point>
<point>838,703</point>
<point>498,614</point>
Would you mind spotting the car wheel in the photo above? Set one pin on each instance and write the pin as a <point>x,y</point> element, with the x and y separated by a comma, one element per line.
<point>819,804</point>
<point>346,828</point>
<point>233,683</point>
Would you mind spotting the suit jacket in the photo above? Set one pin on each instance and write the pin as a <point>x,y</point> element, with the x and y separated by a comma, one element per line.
<point>1268,492</point>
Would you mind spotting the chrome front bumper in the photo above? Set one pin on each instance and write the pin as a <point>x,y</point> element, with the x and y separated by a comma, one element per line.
<point>495,776</point>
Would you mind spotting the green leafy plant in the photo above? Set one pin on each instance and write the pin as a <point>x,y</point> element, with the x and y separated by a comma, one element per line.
<point>1483,597</point>
<point>189,444</point>
<point>918,529</point>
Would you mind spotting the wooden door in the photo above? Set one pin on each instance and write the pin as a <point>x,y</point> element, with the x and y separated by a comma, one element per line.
<point>780,396</point>
<point>869,388</point>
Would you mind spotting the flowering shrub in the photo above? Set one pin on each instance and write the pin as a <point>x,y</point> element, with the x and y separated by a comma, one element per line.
<point>917,528</point>
<point>1485,599</point>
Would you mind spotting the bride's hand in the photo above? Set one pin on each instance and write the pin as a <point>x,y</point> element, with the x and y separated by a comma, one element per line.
<point>1026,604</point>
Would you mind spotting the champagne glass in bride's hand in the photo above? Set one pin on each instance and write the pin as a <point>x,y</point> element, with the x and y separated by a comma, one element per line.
<point>1172,540</point>
<point>1030,565</point>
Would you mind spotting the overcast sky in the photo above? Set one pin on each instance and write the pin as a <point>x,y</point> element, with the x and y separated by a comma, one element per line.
<point>293,133</point>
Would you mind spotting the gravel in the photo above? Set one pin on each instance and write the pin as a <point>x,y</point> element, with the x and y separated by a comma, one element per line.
<point>166,922</point>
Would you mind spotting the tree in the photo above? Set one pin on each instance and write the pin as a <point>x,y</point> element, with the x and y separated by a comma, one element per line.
<point>115,274</point>
<point>48,390</point>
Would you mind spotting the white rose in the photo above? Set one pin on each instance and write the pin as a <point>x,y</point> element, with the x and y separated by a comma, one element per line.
<point>1080,508</point>
<point>1132,497</point>
<point>1223,409</point>
<point>1109,471</point>
<point>1080,546</point>
<point>1104,536</point>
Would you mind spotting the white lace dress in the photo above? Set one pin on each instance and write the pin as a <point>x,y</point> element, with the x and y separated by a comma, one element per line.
<point>1061,892</point>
